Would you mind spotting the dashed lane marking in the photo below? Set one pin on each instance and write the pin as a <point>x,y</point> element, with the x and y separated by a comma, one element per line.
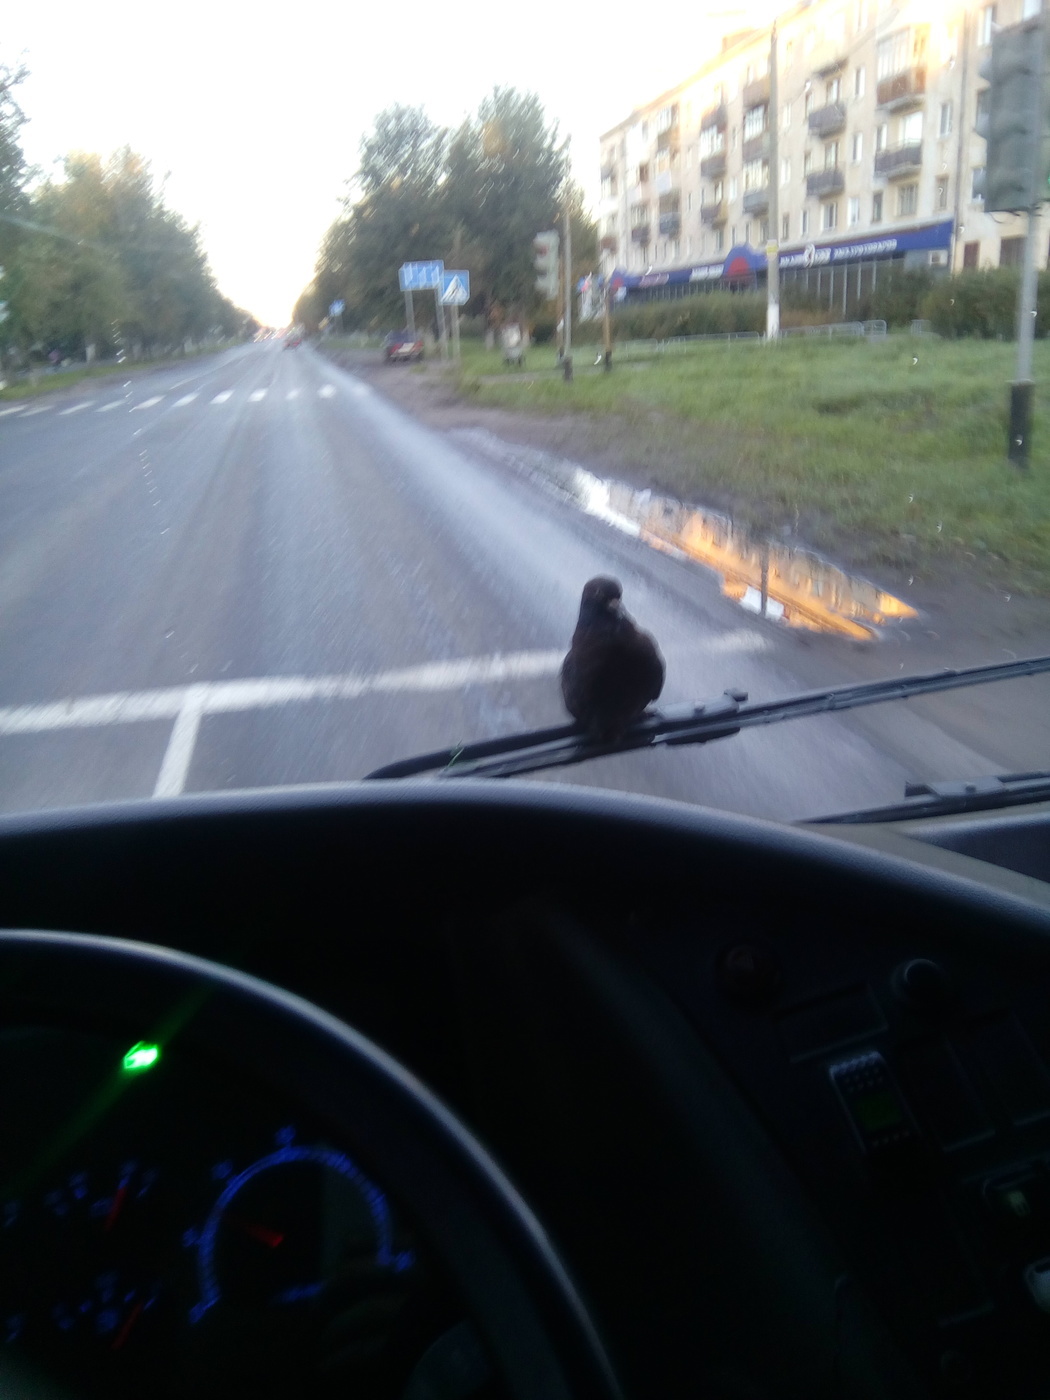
<point>326,391</point>
<point>77,408</point>
<point>43,408</point>
<point>18,408</point>
<point>292,394</point>
<point>222,396</point>
<point>108,407</point>
<point>256,395</point>
<point>186,398</point>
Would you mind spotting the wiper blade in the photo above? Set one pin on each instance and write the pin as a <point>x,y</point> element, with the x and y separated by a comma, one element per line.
<point>983,794</point>
<point>690,723</point>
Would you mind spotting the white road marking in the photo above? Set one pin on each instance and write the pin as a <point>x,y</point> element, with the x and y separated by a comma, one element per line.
<point>114,403</point>
<point>43,408</point>
<point>188,704</point>
<point>292,394</point>
<point>148,403</point>
<point>256,395</point>
<point>361,390</point>
<point>77,408</point>
<point>326,391</point>
<point>19,408</point>
<point>222,396</point>
<point>186,398</point>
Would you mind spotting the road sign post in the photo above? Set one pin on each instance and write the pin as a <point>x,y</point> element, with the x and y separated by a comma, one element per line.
<point>455,292</point>
<point>425,277</point>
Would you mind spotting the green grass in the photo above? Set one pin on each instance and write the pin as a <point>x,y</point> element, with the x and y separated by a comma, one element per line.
<point>49,383</point>
<point>886,452</point>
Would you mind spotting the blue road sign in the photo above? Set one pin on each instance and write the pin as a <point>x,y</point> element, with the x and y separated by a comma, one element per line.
<point>455,289</point>
<point>337,308</point>
<point>421,276</point>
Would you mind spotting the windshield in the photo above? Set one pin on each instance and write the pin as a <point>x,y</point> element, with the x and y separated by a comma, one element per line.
<point>339,353</point>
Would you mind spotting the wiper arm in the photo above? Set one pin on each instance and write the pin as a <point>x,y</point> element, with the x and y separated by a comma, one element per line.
<point>983,794</point>
<point>690,723</point>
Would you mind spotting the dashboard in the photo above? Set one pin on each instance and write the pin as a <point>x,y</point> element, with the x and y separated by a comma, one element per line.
<point>780,1100</point>
<point>172,1226</point>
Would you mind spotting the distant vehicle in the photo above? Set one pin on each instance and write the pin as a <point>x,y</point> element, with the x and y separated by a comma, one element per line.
<point>402,345</point>
<point>292,341</point>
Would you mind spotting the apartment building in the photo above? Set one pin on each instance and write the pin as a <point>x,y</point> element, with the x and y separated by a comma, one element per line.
<point>876,160</point>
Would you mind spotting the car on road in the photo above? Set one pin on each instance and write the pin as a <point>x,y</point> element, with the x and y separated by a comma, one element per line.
<point>293,341</point>
<point>402,346</point>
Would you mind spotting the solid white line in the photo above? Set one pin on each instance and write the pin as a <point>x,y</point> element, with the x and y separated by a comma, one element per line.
<point>114,403</point>
<point>269,692</point>
<point>77,408</point>
<point>256,395</point>
<point>291,394</point>
<point>326,391</point>
<point>148,403</point>
<point>19,408</point>
<point>186,398</point>
<point>223,396</point>
<point>179,753</point>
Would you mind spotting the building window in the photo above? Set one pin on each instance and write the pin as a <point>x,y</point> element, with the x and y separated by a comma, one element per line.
<point>803,223</point>
<point>747,232</point>
<point>911,128</point>
<point>970,251</point>
<point>785,172</point>
<point>860,15</point>
<point>807,162</point>
<point>785,228</point>
<point>733,187</point>
<point>1011,252</point>
<point>643,174</point>
<point>719,191</point>
<point>907,200</point>
<point>732,235</point>
<point>689,247</point>
<point>732,142</point>
<point>976,179</point>
<point>831,155</point>
<point>756,175</point>
<point>763,231</point>
<point>785,117</point>
<point>945,126</point>
<point>857,147</point>
<point>712,141</point>
<point>833,90</point>
<point>858,82</point>
<point>1030,8</point>
<point>720,240</point>
<point>853,212</point>
<point>882,136</point>
<point>755,122</point>
<point>689,203</point>
<point>876,207</point>
<point>645,131</point>
<point>986,25</point>
<point>894,54</point>
<point>807,103</point>
<point>830,216</point>
<point>942,192</point>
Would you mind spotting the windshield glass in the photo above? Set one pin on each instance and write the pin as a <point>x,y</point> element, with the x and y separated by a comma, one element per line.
<point>339,352</point>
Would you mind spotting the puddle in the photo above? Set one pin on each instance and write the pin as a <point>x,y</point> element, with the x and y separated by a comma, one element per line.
<point>775,580</point>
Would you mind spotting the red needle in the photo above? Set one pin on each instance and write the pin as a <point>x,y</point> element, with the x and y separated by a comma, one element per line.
<point>271,1238</point>
<point>129,1323</point>
<point>115,1208</point>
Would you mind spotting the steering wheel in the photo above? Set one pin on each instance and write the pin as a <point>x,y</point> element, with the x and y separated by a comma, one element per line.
<point>516,1291</point>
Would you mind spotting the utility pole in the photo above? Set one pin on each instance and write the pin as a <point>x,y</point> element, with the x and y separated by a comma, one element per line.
<point>1021,390</point>
<point>410,315</point>
<point>567,341</point>
<point>773,241</point>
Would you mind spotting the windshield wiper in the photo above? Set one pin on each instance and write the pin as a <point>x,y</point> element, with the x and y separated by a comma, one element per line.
<point>695,722</point>
<point>947,799</point>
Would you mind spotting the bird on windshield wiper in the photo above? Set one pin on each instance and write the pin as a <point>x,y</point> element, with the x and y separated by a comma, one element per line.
<point>613,669</point>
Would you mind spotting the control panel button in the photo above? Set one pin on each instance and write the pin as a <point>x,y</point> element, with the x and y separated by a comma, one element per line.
<point>923,985</point>
<point>1021,1203</point>
<point>873,1103</point>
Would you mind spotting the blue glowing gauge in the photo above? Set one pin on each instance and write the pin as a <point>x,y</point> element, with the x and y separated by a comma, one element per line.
<point>290,1227</point>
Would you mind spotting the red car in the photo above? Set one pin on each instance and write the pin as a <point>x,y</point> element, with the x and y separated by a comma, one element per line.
<point>402,345</point>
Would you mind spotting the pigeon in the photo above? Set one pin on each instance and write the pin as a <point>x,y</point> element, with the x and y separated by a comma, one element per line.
<point>613,670</point>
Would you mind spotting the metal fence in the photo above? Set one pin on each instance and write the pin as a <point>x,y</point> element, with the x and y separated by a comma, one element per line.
<point>857,330</point>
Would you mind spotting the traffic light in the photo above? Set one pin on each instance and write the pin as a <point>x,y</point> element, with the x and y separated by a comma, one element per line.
<point>546,248</point>
<point>1016,122</point>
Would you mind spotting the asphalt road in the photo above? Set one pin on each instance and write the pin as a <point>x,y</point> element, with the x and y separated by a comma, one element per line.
<point>260,571</point>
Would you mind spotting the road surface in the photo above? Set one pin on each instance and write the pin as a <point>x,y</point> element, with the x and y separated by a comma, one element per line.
<point>257,570</point>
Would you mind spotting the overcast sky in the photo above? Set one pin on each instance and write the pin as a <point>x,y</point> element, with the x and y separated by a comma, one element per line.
<point>256,110</point>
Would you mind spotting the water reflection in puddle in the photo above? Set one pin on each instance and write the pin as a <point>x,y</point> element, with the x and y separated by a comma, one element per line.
<point>765,576</point>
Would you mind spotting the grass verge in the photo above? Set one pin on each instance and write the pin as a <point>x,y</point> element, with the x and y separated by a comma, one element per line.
<point>887,452</point>
<point>49,383</point>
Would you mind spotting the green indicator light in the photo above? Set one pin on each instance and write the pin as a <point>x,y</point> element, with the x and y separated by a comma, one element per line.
<point>141,1056</point>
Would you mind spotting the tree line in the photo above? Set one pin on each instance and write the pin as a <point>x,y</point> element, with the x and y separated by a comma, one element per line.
<point>94,261</point>
<point>474,197</point>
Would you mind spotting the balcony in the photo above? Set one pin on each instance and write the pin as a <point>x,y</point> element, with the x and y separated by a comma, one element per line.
<point>668,140</point>
<point>640,234</point>
<point>609,243</point>
<point>826,121</point>
<point>756,93</point>
<point>756,147</point>
<point>756,201</point>
<point>828,59</point>
<point>713,214</point>
<point>823,182</point>
<point>904,89</point>
<point>664,182</point>
<point>713,167</point>
<point>714,117</point>
<point>670,225</point>
<point>902,160</point>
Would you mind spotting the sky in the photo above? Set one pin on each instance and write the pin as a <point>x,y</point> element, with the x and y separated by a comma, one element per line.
<point>253,112</point>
